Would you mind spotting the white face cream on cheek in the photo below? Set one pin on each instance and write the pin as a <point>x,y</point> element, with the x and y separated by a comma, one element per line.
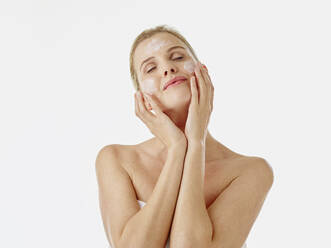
<point>189,66</point>
<point>149,86</point>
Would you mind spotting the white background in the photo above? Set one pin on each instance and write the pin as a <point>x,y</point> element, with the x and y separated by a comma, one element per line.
<point>66,92</point>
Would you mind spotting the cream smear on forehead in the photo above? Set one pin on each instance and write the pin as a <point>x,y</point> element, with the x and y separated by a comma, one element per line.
<point>148,85</point>
<point>156,44</point>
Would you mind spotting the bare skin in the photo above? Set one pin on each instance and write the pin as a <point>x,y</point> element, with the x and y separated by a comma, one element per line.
<point>144,163</point>
<point>210,172</point>
<point>145,160</point>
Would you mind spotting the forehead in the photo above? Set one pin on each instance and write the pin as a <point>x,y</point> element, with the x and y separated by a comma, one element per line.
<point>157,43</point>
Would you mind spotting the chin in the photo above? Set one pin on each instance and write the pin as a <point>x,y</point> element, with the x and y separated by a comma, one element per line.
<point>174,101</point>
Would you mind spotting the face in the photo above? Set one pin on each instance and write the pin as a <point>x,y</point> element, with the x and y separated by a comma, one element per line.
<point>159,59</point>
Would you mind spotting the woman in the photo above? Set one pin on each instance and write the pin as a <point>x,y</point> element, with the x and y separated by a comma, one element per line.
<point>193,190</point>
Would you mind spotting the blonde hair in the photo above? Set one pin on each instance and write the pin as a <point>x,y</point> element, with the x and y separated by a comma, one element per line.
<point>147,33</point>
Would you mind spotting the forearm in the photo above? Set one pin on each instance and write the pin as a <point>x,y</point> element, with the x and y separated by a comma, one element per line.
<point>150,226</point>
<point>191,224</point>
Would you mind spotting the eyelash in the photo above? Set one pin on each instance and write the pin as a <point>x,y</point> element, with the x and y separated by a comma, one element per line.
<point>154,67</point>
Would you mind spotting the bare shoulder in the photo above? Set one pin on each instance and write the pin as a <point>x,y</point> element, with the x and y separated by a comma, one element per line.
<point>125,155</point>
<point>116,149</point>
<point>245,162</point>
<point>256,168</point>
<point>106,154</point>
<point>117,196</point>
<point>238,164</point>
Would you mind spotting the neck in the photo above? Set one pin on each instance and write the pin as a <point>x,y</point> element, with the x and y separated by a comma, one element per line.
<point>213,149</point>
<point>211,145</point>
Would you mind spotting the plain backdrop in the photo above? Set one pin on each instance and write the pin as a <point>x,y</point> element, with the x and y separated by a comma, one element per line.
<point>66,92</point>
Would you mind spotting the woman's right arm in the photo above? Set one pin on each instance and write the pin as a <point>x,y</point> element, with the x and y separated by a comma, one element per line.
<point>125,223</point>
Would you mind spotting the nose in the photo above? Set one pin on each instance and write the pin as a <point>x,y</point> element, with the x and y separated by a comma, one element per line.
<point>170,68</point>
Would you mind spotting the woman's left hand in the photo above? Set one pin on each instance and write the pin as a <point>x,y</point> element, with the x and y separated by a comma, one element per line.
<point>201,105</point>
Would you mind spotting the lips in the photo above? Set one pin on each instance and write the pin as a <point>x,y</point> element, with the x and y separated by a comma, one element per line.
<point>174,80</point>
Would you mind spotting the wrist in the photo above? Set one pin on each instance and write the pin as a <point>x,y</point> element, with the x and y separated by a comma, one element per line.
<point>179,144</point>
<point>196,142</point>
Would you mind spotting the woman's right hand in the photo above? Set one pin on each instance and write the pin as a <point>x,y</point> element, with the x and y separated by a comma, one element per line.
<point>159,124</point>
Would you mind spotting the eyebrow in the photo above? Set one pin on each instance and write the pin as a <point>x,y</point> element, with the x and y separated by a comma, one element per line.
<point>171,48</point>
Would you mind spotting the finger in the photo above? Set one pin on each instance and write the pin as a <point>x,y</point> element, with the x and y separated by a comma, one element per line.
<point>206,75</point>
<point>212,100</point>
<point>136,104</point>
<point>194,91</point>
<point>202,70</point>
<point>201,83</point>
<point>209,85</point>
<point>212,95</point>
<point>211,88</point>
<point>205,67</point>
<point>153,103</point>
<point>137,108</point>
<point>145,114</point>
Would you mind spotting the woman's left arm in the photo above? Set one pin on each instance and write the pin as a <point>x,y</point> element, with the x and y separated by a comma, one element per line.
<point>229,219</point>
<point>191,223</point>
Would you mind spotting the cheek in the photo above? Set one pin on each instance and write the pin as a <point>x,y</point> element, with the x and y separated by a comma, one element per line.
<point>149,86</point>
<point>189,66</point>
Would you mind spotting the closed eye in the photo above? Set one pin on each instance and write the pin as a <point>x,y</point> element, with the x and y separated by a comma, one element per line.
<point>178,58</point>
<point>150,70</point>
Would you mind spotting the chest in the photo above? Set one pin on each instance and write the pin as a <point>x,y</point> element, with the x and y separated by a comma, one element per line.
<point>218,174</point>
